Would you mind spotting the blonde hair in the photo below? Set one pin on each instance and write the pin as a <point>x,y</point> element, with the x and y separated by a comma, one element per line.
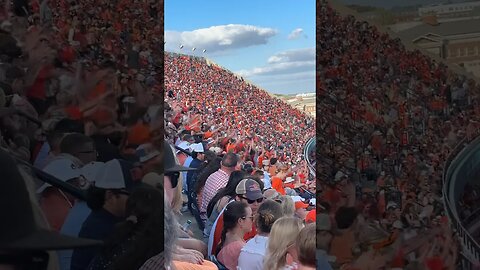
<point>306,245</point>
<point>288,207</point>
<point>284,233</point>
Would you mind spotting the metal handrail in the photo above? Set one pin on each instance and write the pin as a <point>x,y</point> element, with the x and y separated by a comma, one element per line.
<point>471,218</point>
<point>456,222</point>
<point>306,150</point>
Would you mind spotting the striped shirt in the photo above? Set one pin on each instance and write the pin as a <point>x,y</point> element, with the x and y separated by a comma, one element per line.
<point>215,182</point>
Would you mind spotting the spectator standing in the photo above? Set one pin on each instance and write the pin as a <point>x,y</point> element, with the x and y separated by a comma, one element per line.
<point>217,180</point>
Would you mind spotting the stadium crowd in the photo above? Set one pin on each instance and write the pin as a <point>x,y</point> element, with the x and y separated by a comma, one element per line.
<point>389,118</point>
<point>81,100</point>
<point>251,188</point>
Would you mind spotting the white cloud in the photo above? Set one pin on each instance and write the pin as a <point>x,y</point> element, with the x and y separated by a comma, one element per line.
<point>287,62</point>
<point>220,37</point>
<point>295,34</point>
<point>305,54</point>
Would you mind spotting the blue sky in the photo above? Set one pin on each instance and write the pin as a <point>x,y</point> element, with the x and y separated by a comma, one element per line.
<point>270,43</point>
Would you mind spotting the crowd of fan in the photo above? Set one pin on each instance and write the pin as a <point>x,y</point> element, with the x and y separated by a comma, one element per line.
<point>80,83</point>
<point>235,109</point>
<point>251,189</point>
<point>79,100</point>
<point>389,118</point>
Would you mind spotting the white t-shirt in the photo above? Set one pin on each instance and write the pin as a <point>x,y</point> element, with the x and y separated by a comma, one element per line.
<point>252,254</point>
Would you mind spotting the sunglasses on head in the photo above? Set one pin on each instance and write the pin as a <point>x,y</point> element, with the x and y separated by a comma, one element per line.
<point>174,176</point>
<point>259,200</point>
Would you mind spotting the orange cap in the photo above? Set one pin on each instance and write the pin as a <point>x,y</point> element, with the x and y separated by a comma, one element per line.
<point>311,216</point>
<point>299,205</point>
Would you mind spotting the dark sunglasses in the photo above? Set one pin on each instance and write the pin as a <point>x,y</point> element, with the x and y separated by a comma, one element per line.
<point>260,200</point>
<point>174,176</point>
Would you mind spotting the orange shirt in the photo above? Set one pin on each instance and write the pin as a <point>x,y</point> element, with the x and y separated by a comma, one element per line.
<point>74,112</point>
<point>139,134</point>
<point>277,184</point>
<point>208,134</point>
<point>55,207</point>
<point>260,161</point>
<point>100,89</point>
<point>341,247</point>
<point>272,170</point>
<point>206,265</point>
<point>181,157</point>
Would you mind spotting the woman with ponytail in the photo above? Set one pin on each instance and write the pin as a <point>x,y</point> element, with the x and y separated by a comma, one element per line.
<point>237,220</point>
<point>253,253</point>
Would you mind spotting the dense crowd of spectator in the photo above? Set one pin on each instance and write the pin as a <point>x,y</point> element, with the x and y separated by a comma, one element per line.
<point>217,100</point>
<point>80,98</point>
<point>388,119</point>
<point>251,181</point>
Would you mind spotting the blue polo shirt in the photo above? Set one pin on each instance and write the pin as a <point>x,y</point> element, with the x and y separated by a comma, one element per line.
<point>98,226</point>
<point>72,226</point>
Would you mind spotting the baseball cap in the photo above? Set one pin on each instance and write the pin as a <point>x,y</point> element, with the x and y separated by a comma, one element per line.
<point>250,188</point>
<point>197,147</point>
<point>323,222</point>
<point>116,174</point>
<point>153,179</point>
<point>311,216</point>
<point>146,152</point>
<point>169,161</point>
<point>216,150</point>
<point>183,145</point>
<point>90,170</point>
<point>271,194</point>
<point>289,180</point>
<point>64,169</point>
<point>297,198</point>
<point>300,204</point>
